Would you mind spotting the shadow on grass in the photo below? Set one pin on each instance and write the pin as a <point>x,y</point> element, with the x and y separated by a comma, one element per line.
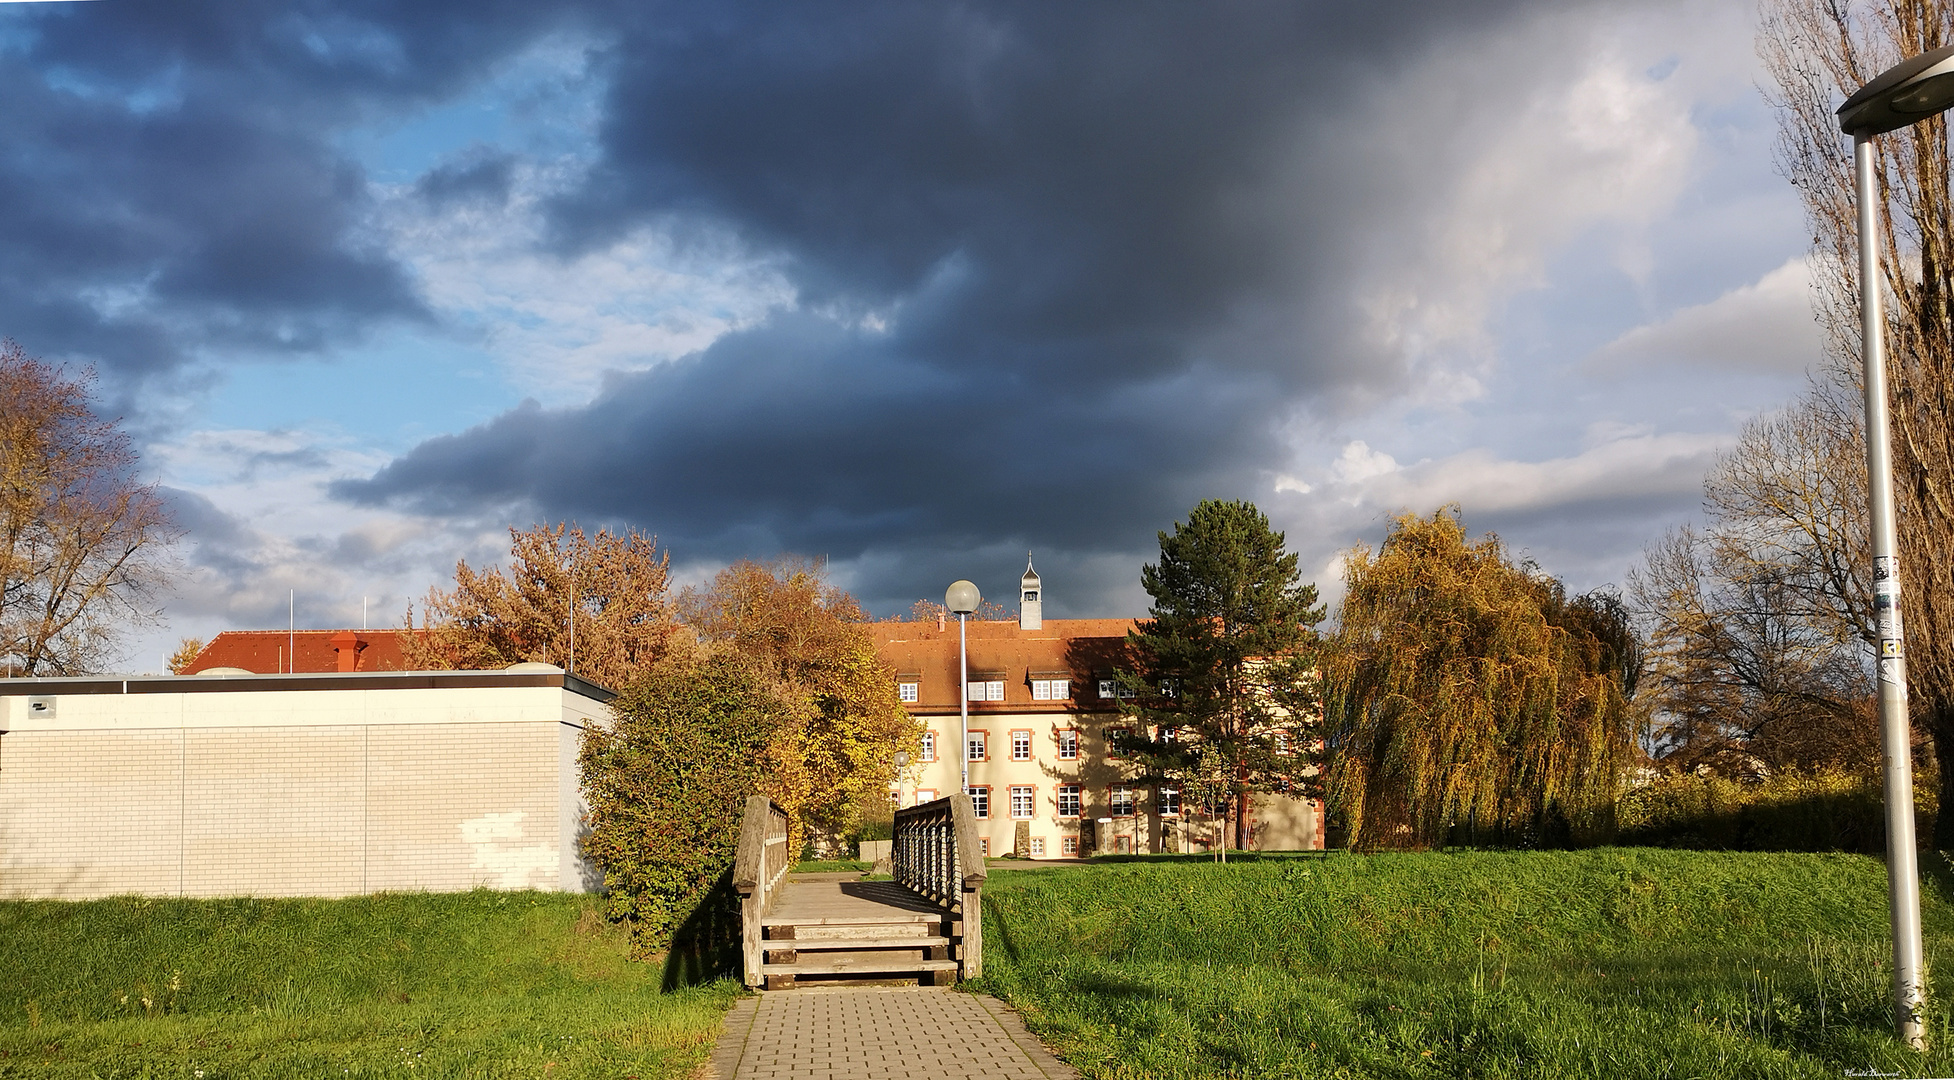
<point>706,946</point>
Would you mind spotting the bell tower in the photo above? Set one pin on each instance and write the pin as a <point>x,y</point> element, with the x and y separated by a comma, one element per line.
<point>1031,600</point>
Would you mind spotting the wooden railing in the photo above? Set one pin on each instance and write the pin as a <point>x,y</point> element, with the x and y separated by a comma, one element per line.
<point>760,863</point>
<point>937,855</point>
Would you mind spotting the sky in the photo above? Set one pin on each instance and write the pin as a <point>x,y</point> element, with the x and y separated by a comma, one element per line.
<point>916,289</point>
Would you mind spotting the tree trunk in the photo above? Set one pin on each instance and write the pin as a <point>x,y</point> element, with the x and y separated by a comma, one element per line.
<point>1241,819</point>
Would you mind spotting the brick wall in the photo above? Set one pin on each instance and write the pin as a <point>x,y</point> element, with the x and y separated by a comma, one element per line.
<point>316,810</point>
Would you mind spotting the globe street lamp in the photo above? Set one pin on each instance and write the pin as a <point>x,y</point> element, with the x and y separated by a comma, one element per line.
<point>963,598</point>
<point>1899,97</point>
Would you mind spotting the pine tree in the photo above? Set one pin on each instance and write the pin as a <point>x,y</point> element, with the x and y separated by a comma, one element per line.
<point>1225,678</point>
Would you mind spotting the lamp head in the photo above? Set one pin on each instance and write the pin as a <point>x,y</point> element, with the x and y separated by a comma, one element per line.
<point>1902,95</point>
<point>902,759</point>
<point>962,598</point>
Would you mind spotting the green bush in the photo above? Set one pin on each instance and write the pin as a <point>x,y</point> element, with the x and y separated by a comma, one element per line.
<point>667,785</point>
<point>1788,812</point>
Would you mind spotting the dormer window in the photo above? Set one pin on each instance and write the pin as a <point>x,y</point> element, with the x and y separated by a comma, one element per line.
<point>908,683</point>
<point>1051,686</point>
<point>987,686</point>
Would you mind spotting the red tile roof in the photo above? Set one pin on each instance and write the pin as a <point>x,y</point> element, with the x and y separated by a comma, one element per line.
<point>1084,649</point>
<point>269,652</point>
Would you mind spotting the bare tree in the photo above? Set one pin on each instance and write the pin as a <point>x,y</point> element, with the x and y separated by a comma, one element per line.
<point>83,545</point>
<point>1817,52</point>
<point>1759,624</point>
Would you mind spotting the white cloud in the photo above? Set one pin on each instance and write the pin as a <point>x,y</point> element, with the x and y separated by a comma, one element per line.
<point>558,324</point>
<point>263,529</point>
<point>1766,326</point>
<point>1629,466</point>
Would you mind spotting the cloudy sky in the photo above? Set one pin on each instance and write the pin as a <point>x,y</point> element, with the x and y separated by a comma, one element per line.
<point>917,288</point>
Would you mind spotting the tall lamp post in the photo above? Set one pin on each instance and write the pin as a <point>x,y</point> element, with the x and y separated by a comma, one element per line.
<point>963,598</point>
<point>1903,95</point>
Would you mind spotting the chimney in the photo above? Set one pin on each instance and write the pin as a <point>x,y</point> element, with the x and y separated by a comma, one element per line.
<point>1031,605</point>
<point>348,645</point>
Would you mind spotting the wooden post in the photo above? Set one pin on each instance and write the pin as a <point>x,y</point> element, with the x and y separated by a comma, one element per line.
<point>750,880</point>
<point>970,859</point>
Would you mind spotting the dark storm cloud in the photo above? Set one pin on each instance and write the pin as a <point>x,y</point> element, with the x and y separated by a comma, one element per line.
<point>170,181</point>
<point>807,436</point>
<point>1103,239</point>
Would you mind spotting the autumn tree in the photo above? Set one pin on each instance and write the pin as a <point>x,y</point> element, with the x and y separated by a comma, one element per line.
<point>187,651</point>
<point>923,611</point>
<point>1467,695</point>
<point>83,544</point>
<point>1225,681</point>
<point>1760,621</point>
<point>667,783</point>
<point>841,722</point>
<point>1816,53</point>
<point>609,593</point>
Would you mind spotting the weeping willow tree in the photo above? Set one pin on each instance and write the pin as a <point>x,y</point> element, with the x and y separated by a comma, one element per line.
<point>1471,700</point>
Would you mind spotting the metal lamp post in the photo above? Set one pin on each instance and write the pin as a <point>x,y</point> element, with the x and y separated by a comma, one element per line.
<point>1901,96</point>
<point>963,598</point>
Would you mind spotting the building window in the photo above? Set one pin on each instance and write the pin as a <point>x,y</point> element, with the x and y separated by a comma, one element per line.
<point>1121,798</point>
<point>980,801</point>
<point>1110,688</point>
<point>929,746</point>
<point>1169,734</point>
<point>1068,846</point>
<point>1021,802</point>
<point>1170,802</point>
<point>1114,751</point>
<point>984,845</point>
<point>906,691</point>
<point>1282,742</point>
<point>974,749</point>
<point>1068,800</point>
<point>1068,745</point>
<point>1021,746</point>
<point>1051,689</point>
<point>987,690</point>
<point>925,794</point>
<point>1037,847</point>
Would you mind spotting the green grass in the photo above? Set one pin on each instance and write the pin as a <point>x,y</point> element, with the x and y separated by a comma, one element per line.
<point>831,866</point>
<point>480,984</point>
<point>1612,963</point>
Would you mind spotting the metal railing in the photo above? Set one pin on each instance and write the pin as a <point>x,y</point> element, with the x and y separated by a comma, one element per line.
<point>759,864</point>
<point>938,855</point>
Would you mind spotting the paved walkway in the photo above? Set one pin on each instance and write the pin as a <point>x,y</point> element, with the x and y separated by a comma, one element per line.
<point>876,1032</point>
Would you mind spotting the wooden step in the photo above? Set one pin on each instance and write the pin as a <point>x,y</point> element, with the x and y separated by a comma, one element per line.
<point>849,965</point>
<point>905,919</point>
<point>797,932</point>
<point>833,944</point>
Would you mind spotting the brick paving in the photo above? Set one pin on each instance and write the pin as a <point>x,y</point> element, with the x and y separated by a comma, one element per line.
<point>878,1032</point>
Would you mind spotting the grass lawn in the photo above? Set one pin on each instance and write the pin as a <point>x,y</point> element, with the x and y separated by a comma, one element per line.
<point>1611,963</point>
<point>479,984</point>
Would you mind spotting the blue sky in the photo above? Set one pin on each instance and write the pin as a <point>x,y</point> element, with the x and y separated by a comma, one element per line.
<point>913,289</point>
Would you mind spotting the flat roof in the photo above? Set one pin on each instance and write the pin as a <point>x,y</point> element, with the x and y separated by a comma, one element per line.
<point>304,680</point>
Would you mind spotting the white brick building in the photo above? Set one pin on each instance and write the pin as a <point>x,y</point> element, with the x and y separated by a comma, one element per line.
<point>315,784</point>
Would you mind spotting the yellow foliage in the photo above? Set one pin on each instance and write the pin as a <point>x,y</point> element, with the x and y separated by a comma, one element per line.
<point>1468,693</point>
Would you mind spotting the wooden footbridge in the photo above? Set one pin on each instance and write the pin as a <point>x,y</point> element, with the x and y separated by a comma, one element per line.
<point>927,924</point>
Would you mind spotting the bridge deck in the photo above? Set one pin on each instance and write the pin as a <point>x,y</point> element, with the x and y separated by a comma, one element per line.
<point>838,899</point>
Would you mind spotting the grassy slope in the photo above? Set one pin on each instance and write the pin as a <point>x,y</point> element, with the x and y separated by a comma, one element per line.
<point>1610,963</point>
<point>466,985</point>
